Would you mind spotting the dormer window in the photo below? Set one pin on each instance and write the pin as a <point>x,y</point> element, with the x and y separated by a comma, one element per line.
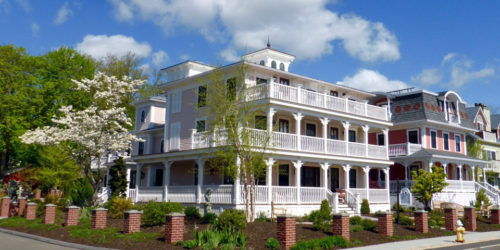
<point>273,64</point>
<point>143,116</point>
<point>282,66</point>
<point>262,63</point>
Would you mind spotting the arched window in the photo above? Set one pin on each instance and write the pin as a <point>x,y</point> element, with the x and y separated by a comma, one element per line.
<point>262,63</point>
<point>143,116</point>
<point>273,64</point>
<point>161,147</point>
<point>282,66</point>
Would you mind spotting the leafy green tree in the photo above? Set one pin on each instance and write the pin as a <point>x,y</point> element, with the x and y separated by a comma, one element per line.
<point>58,169</point>
<point>118,178</point>
<point>426,184</point>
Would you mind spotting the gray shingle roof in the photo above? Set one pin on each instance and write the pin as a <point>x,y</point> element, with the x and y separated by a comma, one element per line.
<point>472,111</point>
<point>495,121</point>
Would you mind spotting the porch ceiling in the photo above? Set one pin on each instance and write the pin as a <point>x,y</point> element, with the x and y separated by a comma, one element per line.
<point>436,155</point>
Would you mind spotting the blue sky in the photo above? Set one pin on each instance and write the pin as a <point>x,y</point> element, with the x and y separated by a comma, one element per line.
<point>383,45</point>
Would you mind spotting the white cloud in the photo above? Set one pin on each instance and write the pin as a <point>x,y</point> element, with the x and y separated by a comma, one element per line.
<point>428,77</point>
<point>304,28</point>
<point>99,46</point>
<point>461,73</point>
<point>24,4</point>
<point>370,80</point>
<point>448,57</point>
<point>35,29</point>
<point>146,68</point>
<point>159,58</point>
<point>63,13</point>
<point>185,57</point>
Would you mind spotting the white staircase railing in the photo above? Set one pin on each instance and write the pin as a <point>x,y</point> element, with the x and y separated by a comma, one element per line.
<point>493,196</point>
<point>353,201</point>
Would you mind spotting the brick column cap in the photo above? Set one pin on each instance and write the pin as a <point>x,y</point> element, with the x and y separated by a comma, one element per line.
<point>450,206</point>
<point>286,216</point>
<point>99,209</point>
<point>22,198</point>
<point>384,213</point>
<point>50,205</point>
<point>421,211</point>
<point>496,207</point>
<point>13,202</point>
<point>469,207</point>
<point>32,203</point>
<point>176,214</point>
<point>6,197</point>
<point>73,207</point>
<point>133,212</point>
<point>343,214</point>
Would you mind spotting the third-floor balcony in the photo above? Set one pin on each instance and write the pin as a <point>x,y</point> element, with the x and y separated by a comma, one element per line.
<point>403,149</point>
<point>311,98</point>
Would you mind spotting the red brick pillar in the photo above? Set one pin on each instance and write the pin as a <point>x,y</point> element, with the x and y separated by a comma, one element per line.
<point>421,221</point>
<point>22,206</point>
<point>341,225</point>
<point>30,211</point>
<point>174,228</point>
<point>132,222</point>
<point>72,215</point>
<point>5,207</point>
<point>38,194</point>
<point>286,231</point>
<point>495,215</point>
<point>14,208</point>
<point>385,226</point>
<point>470,219</point>
<point>99,218</point>
<point>450,217</point>
<point>49,216</point>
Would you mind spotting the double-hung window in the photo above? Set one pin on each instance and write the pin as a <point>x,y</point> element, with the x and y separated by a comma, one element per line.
<point>457,143</point>
<point>413,136</point>
<point>446,141</point>
<point>202,96</point>
<point>200,126</point>
<point>433,139</point>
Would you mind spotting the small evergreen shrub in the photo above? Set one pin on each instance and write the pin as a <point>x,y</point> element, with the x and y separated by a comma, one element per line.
<point>261,217</point>
<point>232,220</point>
<point>118,206</point>
<point>81,193</point>
<point>155,213</point>
<point>481,198</point>
<point>321,218</point>
<point>369,225</point>
<point>209,218</point>
<point>322,243</point>
<point>355,220</point>
<point>437,216</point>
<point>356,228</point>
<point>192,213</point>
<point>404,220</point>
<point>273,244</point>
<point>365,207</point>
<point>396,206</point>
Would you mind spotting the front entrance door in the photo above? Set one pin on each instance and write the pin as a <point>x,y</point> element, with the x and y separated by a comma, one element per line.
<point>283,175</point>
<point>309,177</point>
<point>334,179</point>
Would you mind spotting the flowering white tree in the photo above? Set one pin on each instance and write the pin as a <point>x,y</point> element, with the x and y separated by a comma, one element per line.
<point>95,132</point>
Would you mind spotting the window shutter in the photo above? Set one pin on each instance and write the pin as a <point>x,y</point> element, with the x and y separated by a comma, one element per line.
<point>176,101</point>
<point>175,131</point>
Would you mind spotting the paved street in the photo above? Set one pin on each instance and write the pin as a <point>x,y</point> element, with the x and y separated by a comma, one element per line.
<point>486,245</point>
<point>9,241</point>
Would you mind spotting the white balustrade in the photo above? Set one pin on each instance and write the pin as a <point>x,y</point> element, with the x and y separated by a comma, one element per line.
<point>453,185</point>
<point>150,194</point>
<point>351,200</point>
<point>312,144</point>
<point>180,193</point>
<point>376,112</point>
<point>201,140</point>
<point>257,92</point>
<point>284,195</point>
<point>375,151</point>
<point>357,149</point>
<point>284,141</point>
<point>355,107</point>
<point>468,186</point>
<point>335,103</point>
<point>311,98</point>
<point>414,147</point>
<point>312,194</point>
<point>283,92</point>
<point>361,191</point>
<point>403,149</point>
<point>220,194</point>
<point>335,147</point>
<point>131,194</point>
<point>260,194</point>
<point>378,195</point>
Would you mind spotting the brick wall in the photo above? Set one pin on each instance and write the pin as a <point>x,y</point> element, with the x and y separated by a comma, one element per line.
<point>495,215</point>
<point>72,215</point>
<point>99,218</point>
<point>286,231</point>
<point>421,221</point>
<point>132,222</point>
<point>5,206</point>
<point>22,206</point>
<point>30,211</point>
<point>174,228</point>
<point>341,225</point>
<point>38,194</point>
<point>49,216</point>
<point>13,208</point>
<point>470,218</point>
<point>385,225</point>
<point>450,217</point>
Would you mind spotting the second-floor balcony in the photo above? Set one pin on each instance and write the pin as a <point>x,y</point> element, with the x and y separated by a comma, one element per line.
<point>315,99</point>
<point>403,149</point>
<point>294,142</point>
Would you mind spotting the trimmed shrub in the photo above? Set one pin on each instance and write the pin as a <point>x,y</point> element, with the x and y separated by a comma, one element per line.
<point>192,213</point>
<point>117,207</point>
<point>369,225</point>
<point>81,193</point>
<point>396,206</point>
<point>481,198</point>
<point>322,243</point>
<point>261,217</point>
<point>155,213</point>
<point>325,208</point>
<point>437,216</point>
<point>365,207</point>
<point>272,243</point>
<point>356,228</point>
<point>355,220</point>
<point>232,220</point>
<point>321,218</point>
<point>404,220</point>
<point>209,218</point>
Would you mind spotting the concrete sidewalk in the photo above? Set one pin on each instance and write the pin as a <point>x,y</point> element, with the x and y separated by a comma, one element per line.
<point>429,243</point>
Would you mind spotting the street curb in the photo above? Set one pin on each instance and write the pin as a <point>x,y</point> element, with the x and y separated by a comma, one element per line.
<point>451,244</point>
<point>51,241</point>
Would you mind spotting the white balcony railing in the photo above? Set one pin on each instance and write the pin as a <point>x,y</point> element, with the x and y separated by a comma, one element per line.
<point>378,195</point>
<point>315,99</point>
<point>403,149</point>
<point>312,194</point>
<point>286,141</point>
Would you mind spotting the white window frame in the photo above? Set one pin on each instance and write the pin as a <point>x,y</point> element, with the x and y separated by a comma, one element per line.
<point>286,119</point>
<point>430,137</point>
<point>175,142</point>
<point>460,138</point>
<point>312,123</point>
<point>198,96</point>
<point>330,135</point>
<point>196,123</point>
<point>449,148</point>
<point>378,141</point>
<point>176,101</point>
<point>408,135</point>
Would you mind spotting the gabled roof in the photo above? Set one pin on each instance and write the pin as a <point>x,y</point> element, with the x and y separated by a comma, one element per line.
<point>495,121</point>
<point>472,111</point>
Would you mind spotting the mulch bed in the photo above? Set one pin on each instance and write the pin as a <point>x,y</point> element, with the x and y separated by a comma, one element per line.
<point>257,234</point>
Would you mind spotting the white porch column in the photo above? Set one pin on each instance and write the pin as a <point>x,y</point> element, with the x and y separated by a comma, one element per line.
<point>460,177</point>
<point>150,145</point>
<point>270,114</point>
<point>201,170</point>
<point>297,164</point>
<point>484,174</point>
<point>324,175</point>
<point>107,177</point>
<point>148,177</point>
<point>127,192</point>
<point>137,181</point>
<point>366,171</point>
<point>166,178</point>
<point>269,179</point>
<point>445,168</point>
<point>346,125</point>
<point>167,122</point>
<point>346,169</point>
<point>386,142</point>
<point>406,173</point>
<point>236,184</point>
<point>325,122</point>
<point>298,117</point>
<point>387,184</point>
<point>366,128</point>
<point>430,166</point>
<point>473,173</point>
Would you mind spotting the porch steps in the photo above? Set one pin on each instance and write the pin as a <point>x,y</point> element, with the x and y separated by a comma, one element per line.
<point>345,208</point>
